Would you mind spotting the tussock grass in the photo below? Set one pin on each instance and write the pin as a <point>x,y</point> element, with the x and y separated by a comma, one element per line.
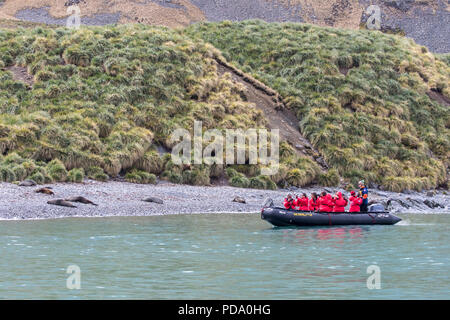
<point>104,99</point>
<point>360,97</point>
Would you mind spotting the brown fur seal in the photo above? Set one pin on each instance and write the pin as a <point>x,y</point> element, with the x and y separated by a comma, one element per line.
<point>61,202</point>
<point>81,200</point>
<point>45,190</point>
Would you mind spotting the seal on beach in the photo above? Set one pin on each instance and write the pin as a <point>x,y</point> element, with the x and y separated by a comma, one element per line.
<point>61,202</point>
<point>81,200</point>
<point>239,199</point>
<point>45,190</point>
<point>153,199</point>
<point>27,183</point>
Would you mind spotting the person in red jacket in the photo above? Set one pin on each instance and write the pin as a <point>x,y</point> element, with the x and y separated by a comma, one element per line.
<point>313,204</point>
<point>330,202</point>
<point>302,203</point>
<point>355,202</point>
<point>325,202</point>
<point>289,202</point>
<point>339,203</point>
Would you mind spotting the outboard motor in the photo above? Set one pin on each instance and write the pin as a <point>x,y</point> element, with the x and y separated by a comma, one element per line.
<point>376,208</point>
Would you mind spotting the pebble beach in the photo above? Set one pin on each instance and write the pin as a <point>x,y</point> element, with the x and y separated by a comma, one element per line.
<point>116,198</point>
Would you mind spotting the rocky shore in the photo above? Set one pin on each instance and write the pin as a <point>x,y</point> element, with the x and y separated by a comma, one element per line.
<point>116,198</point>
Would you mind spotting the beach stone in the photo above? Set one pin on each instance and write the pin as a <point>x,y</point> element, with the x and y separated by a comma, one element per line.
<point>28,183</point>
<point>239,199</point>
<point>431,193</point>
<point>153,199</point>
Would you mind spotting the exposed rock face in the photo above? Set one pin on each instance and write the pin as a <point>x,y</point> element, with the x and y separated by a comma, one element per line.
<point>403,5</point>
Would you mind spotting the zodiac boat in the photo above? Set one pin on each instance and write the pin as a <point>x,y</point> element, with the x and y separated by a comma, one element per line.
<point>281,217</point>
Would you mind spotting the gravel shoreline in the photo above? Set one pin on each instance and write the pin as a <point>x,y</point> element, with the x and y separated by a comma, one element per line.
<point>125,199</point>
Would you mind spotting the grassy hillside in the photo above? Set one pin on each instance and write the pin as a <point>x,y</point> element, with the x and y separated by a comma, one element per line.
<point>361,97</point>
<point>102,100</point>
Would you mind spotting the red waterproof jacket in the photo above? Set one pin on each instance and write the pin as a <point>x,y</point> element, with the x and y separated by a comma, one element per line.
<point>313,205</point>
<point>302,204</point>
<point>355,202</point>
<point>339,203</point>
<point>289,204</point>
<point>330,202</point>
<point>325,203</point>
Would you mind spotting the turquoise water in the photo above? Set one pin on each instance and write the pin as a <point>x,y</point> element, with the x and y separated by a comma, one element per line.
<point>222,257</point>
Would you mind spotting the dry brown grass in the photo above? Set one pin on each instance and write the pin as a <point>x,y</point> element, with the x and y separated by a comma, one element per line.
<point>131,11</point>
<point>336,13</point>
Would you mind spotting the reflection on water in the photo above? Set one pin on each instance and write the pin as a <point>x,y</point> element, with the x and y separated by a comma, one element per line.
<point>222,257</point>
<point>326,233</point>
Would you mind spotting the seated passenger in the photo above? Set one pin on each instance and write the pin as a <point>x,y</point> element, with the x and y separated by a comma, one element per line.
<point>325,202</point>
<point>355,202</point>
<point>289,202</point>
<point>313,204</point>
<point>302,203</point>
<point>339,203</point>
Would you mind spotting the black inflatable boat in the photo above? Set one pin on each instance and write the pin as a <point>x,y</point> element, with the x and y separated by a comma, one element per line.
<point>281,217</point>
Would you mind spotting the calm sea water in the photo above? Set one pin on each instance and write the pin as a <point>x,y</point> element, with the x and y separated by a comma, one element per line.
<point>222,257</point>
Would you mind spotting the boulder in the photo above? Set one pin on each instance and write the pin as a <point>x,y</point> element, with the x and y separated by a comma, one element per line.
<point>431,193</point>
<point>153,199</point>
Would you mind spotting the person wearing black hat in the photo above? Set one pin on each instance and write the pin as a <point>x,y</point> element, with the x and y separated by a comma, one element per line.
<point>364,194</point>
